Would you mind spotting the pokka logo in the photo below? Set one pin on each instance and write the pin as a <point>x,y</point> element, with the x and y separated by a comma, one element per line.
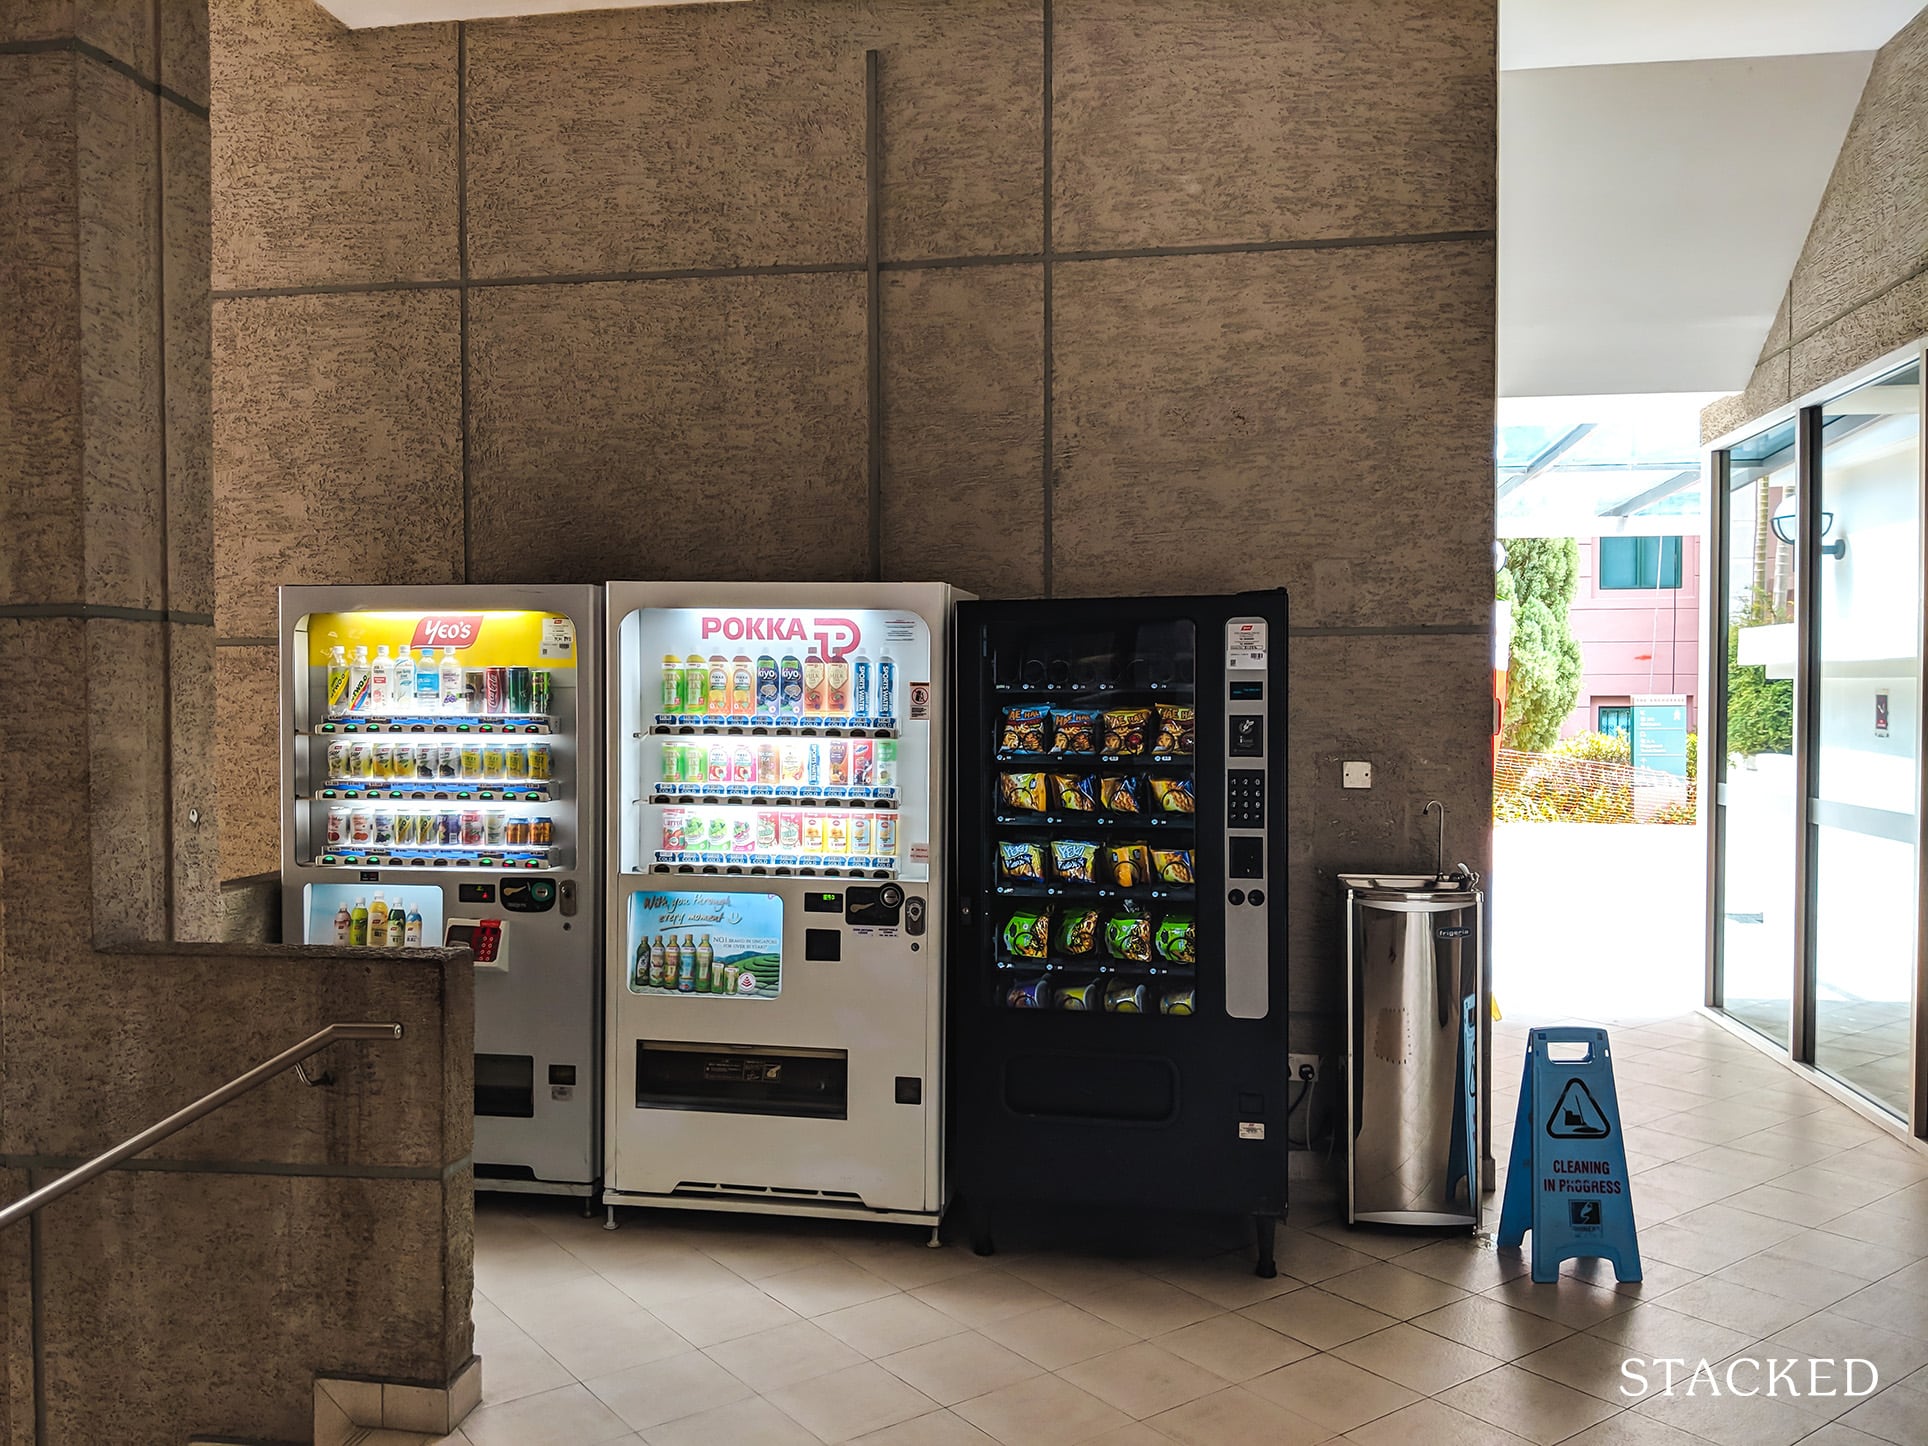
<point>833,636</point>
<point>447,631</point>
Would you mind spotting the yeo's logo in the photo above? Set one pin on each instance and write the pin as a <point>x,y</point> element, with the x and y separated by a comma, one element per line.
<point>833,636</point>
<point>447,631</point>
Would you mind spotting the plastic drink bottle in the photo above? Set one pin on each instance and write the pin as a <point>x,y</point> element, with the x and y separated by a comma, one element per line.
<point>812,685</point>
<point>380,678</point>
<point>401,683</point>
<point>428,683</point>
<point>378,922</point>
<point>887,690</point>
<point>884,768</point>
<point>860,675</point>
<point>397,927</point>
<point>702,953</point>
<point>358,923</point>
<point>672,683</point>
<point>358,682</point>
<point>696,684</point>
<point>836,687</point>
<point>412,930</point>
<point>742,685</point>
<point>790,685</point>
<point>719,684</point>
<point>337,680</point>
<point>344,925</point>
<point>453,697</point>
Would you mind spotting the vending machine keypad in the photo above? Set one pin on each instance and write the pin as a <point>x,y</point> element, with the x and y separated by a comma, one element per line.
<point>1248,961</point>
<point>1245,797</point>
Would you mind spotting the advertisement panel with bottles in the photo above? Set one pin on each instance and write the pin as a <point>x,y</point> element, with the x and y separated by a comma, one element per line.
<point>775,990</point>
<point>1118,1025</point>
<point>440,756</point>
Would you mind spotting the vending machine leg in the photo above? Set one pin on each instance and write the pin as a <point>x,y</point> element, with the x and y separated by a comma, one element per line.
<point>934,1243</point>
<point>980,1229</point>
<point>609,1221</point>
<point>1268,1229</point>
<point>589,1207</point>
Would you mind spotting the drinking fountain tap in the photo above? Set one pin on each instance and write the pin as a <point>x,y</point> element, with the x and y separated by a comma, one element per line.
<point>1439,852</point>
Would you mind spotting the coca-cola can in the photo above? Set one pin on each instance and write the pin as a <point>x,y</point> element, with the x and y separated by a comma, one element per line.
<point>495,691</point>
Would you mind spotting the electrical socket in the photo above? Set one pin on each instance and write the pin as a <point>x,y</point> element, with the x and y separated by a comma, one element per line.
<point>1298,1063</point>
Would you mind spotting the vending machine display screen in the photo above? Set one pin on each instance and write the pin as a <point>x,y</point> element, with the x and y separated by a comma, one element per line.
<point>705,944</point>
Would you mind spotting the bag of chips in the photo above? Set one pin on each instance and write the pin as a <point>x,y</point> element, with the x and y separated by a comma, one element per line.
<point>1130,865</point>
<point>1125,731</point>
<point>1128,936</point>
<point>1024,730</point>
<point>1122,793</point>
<point>1078,932</point>
<point>1175,1001</point>
<point>1177,939</point>
<point>1177,729</point>
<point>1028,936</point>
<point>1124,997</point>
<point>1023,792</point>
<point>1088,995</point>
<point>1030,994</point>
<point>1074,861</point>
<point>1021,861</point>
<point>1173,866</point>
<point>1071,793</point>
<point>1174,795</point>
<point>1074,730</point>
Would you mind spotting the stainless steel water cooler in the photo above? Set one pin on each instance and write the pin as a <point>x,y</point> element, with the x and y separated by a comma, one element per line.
<point>1412,1076</point>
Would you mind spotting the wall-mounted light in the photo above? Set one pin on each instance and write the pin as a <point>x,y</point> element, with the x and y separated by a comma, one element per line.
<point>1786,524</point>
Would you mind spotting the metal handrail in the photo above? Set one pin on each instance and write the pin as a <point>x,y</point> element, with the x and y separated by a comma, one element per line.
<point>288,1059</point>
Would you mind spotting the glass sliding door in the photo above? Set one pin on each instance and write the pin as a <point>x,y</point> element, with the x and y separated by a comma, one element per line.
<point>1867,621</point>
<point>1756,794</point>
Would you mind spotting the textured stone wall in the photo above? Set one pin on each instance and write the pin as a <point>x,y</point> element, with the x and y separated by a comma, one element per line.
<point>1173,294</point>
<point>1860,288</point>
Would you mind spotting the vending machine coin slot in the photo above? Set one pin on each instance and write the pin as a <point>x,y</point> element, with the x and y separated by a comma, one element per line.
<point>876,907</point>
<point>528,896</point>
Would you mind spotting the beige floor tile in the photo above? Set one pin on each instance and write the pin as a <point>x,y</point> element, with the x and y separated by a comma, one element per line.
<point>906,1261</point>
<point>852,1402</point>
<point>518,1367</point>
<point>892,1323</point>
<point>1825,1335</point>
<point>1735,1306</point>
<point>783,1355</point>
<point>1814,1286</point>
<point>1073,1278</point>
<point>581,1298</point>
<point>754,1422</point>
<point>1056,1336</point>
<point>1896,1231</point>
<point>1836,1434</point>
<point>1730,1420</point>
<point>1393,1290</point>
<point>666,1390</point>
<point>1312,1258</point>
<point>1656,1276</point>
<point>1335,1393</point>
<point>606,1344</point>
<point>1491,1328</point>
<point>958,1367</point>
<point>1381,1242</point>
<point>1236,1415</point>
<point>1570,1302</point>
<point>939,1428</point>
<point>658,1280</point>
<point>1627,1429</point>
<point>820,1289</point>
<point>1043,1411</point>
<point>1585,1362</point>
<point>1470,1262</point>
<point>1142,1379</point>
<point>755,1256</point>
<point>1528,1405</point>
<point>1779,1203</point>
<point>1892,1307</point>
<point>1321,1320</point>
<point>1655,1331</point>
<point>1147,1307</point>
<point>1226,1281</point>
<point>567,1416</point>
<point>527,1268</point>
<point>1884,1159</point>
<point>1863,1259</point>
<point>979,1297</point>
<point>1699,1251</point>
<point>1416,1359</point>
<point>724,1314</point>
<point>1430,1423</point>
<point>1232,1347</point>
<point>1851,1191</point>
<point>1135,1433</point>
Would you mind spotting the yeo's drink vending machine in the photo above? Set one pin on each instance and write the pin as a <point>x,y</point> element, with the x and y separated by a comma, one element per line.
<point>440,766</point>
<point>775,989</point>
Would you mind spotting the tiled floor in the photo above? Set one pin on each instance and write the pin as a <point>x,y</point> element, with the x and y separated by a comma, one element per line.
<point>1774,1223</point>
<point>1864,1043</point>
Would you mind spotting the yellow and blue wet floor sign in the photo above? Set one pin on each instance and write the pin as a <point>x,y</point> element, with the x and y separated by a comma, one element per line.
<point>1567,1178</point>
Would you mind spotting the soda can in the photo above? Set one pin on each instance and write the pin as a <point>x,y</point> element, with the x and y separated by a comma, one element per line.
<point>407,828</point>
<point>495,827</point>
<point>473,689</point>
<point>837,771</point>
<point>337,760</point>
<point>426,759</point>
<point>361,826</point>
<point>542,763</point>
<point>672,761</point>
<point>789,831</point>
<point>863,762</point>
<point>886,846</point>
<point>384,827</point>
<point>766,831</point>
<point>383,759</point>
<point>1124,997</point>
<point>1028,994</point>
<point>542,695</point>
<point>743,763</point>
<point>448,761</point>
<point>448,827</point>
<point>860,698</point>
<point>766,764</point>
<point>768,689</point>
<point>790,763</point>
<point>790,686</point>
<point>518,761</point>
<point>471,828</point>
<point>495,691</point>
<point>521,691</point>
<point>836,835</point>
<point>1175,1001</point>
<point>1088,995</point>
<point>862,831</point>
<point>813,764</point>
<point>673,830</point>
<point>884,771</point>
<point>337,827</point>
<point>494,761</point>
<point>812,833</point>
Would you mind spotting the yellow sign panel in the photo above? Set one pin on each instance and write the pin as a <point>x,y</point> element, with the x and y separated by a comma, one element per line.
<point>481,638</point>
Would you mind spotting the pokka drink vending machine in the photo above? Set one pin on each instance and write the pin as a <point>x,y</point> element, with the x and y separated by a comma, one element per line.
<point>440,766</point>
<point>1118,1024</point>
<point>775,985</point>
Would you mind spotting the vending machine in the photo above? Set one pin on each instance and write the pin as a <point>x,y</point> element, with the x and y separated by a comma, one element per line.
<point>440,766</point>
<point>775,928</point>
<point>1118,971</point>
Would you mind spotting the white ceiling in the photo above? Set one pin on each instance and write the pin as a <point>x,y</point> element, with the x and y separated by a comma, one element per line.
<point>1535,34</point>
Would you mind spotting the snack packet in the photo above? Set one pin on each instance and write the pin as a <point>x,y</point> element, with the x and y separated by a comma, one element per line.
<point>1125,731</point>
<point>1122,793</point>
<point>1024,729</point>
<point>1177,729</point>
<point>1174,795</point>
<point>1078,932</point>
<point>1071,793</point>
<point>1173,866</point>
<point>1028,936</point>
<point>1130,865</point>
<point>1074,730</point>
<point>1088,995</point>
<point>1124,997</point>
<point>1024,792</point>
<point>1074,861</point>
<point>1175,1001</point>
<point>1031,994</point>
<point>1177,939</point>
<point>1021,861</point>
<point>1128,936</point>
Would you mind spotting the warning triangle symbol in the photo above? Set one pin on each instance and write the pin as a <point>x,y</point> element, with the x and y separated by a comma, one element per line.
<point>1578,1115</point>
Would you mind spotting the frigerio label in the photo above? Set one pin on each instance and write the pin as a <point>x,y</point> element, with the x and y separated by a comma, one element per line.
<point>451,631</point>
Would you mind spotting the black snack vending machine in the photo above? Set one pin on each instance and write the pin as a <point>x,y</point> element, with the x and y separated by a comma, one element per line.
<point>1118,978</point>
